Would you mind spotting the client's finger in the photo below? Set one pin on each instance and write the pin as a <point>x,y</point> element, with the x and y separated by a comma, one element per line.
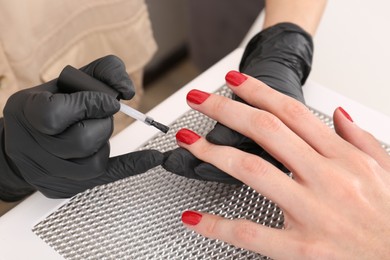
<point>241,233</point>
<point>360,138</point>
<point>293,113</point>
<point>260,126</point>
<point>250,169</point>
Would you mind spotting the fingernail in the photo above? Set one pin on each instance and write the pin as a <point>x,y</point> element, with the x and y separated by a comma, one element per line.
<point>191,217</point>
<point>186,136</point>
<point>235,78</point>
<point>345,114</point>
<point>197,96</point>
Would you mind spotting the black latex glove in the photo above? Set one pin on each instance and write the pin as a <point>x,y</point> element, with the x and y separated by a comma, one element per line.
<point>279,56</point>
<point>58,143</point>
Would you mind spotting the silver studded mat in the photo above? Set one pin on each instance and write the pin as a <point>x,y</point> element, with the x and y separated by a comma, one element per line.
<point>139,217</point>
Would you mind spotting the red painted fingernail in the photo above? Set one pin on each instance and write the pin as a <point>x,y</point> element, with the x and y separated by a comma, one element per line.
<point>197,96</point>
<point>186,136</point>
<point>235,78</point>
<point>345,114</point>
<point>191,217</point>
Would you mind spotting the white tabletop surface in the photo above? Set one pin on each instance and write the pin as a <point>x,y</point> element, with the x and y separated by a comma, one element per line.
<point>17,241</point>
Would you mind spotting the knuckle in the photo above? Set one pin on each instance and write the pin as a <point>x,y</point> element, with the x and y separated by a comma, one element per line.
<point>266,121</point>
<point>84,144</point>
<point>313,250</point>
<point>219,104</point>
<point>370,165</point>
<point>364,163</point>
<point>43,113</point>
<point>244,232</point>
<point>212,228</point>
<point>295,109</point>
<point>88,137</point>
<point>113,59</point>
<point>306,250</point>
<point>254,165</point>
<point>205,151</point>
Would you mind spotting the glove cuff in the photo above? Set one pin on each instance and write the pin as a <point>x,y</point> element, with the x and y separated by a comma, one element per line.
<point>12,186</point>
<point>280,56</point>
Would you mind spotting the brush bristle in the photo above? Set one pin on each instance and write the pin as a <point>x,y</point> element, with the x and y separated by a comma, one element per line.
<point>161,127</point>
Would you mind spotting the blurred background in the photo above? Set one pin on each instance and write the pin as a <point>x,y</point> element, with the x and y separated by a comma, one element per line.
<point>191,36</point>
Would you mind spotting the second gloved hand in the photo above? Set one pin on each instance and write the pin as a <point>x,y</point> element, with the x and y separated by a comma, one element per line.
<point>58,143</point>
<point>281,57</point>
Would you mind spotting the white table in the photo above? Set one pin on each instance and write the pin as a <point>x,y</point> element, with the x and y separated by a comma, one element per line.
<point>17,241</point>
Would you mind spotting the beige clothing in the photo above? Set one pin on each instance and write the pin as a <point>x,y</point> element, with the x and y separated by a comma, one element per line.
<point>38,38</point>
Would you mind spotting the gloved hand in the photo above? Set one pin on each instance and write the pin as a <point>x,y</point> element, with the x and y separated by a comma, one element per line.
<point>281,57</point>
<point>57,143</point>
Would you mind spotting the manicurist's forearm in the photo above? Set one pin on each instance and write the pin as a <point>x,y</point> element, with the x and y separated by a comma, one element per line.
<point>305,13</point>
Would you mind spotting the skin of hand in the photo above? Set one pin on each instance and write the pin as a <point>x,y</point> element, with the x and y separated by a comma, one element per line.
<point>337,204</point>
<point>59,143</point>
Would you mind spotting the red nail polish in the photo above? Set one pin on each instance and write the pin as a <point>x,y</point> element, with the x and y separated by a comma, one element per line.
<point>345,114</point>
<point>186,136</point>
<point>235,78</point>
<point>197,96</point>
<point>191,217</point>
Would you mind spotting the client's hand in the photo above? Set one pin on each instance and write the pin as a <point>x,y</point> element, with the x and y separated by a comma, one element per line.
<point>337,204</point>
<point>58,143</point>
<point>281,57</point>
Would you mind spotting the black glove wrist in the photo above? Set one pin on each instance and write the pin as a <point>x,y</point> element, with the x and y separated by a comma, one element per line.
<point>12,186</point>
<point>280,56</point>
